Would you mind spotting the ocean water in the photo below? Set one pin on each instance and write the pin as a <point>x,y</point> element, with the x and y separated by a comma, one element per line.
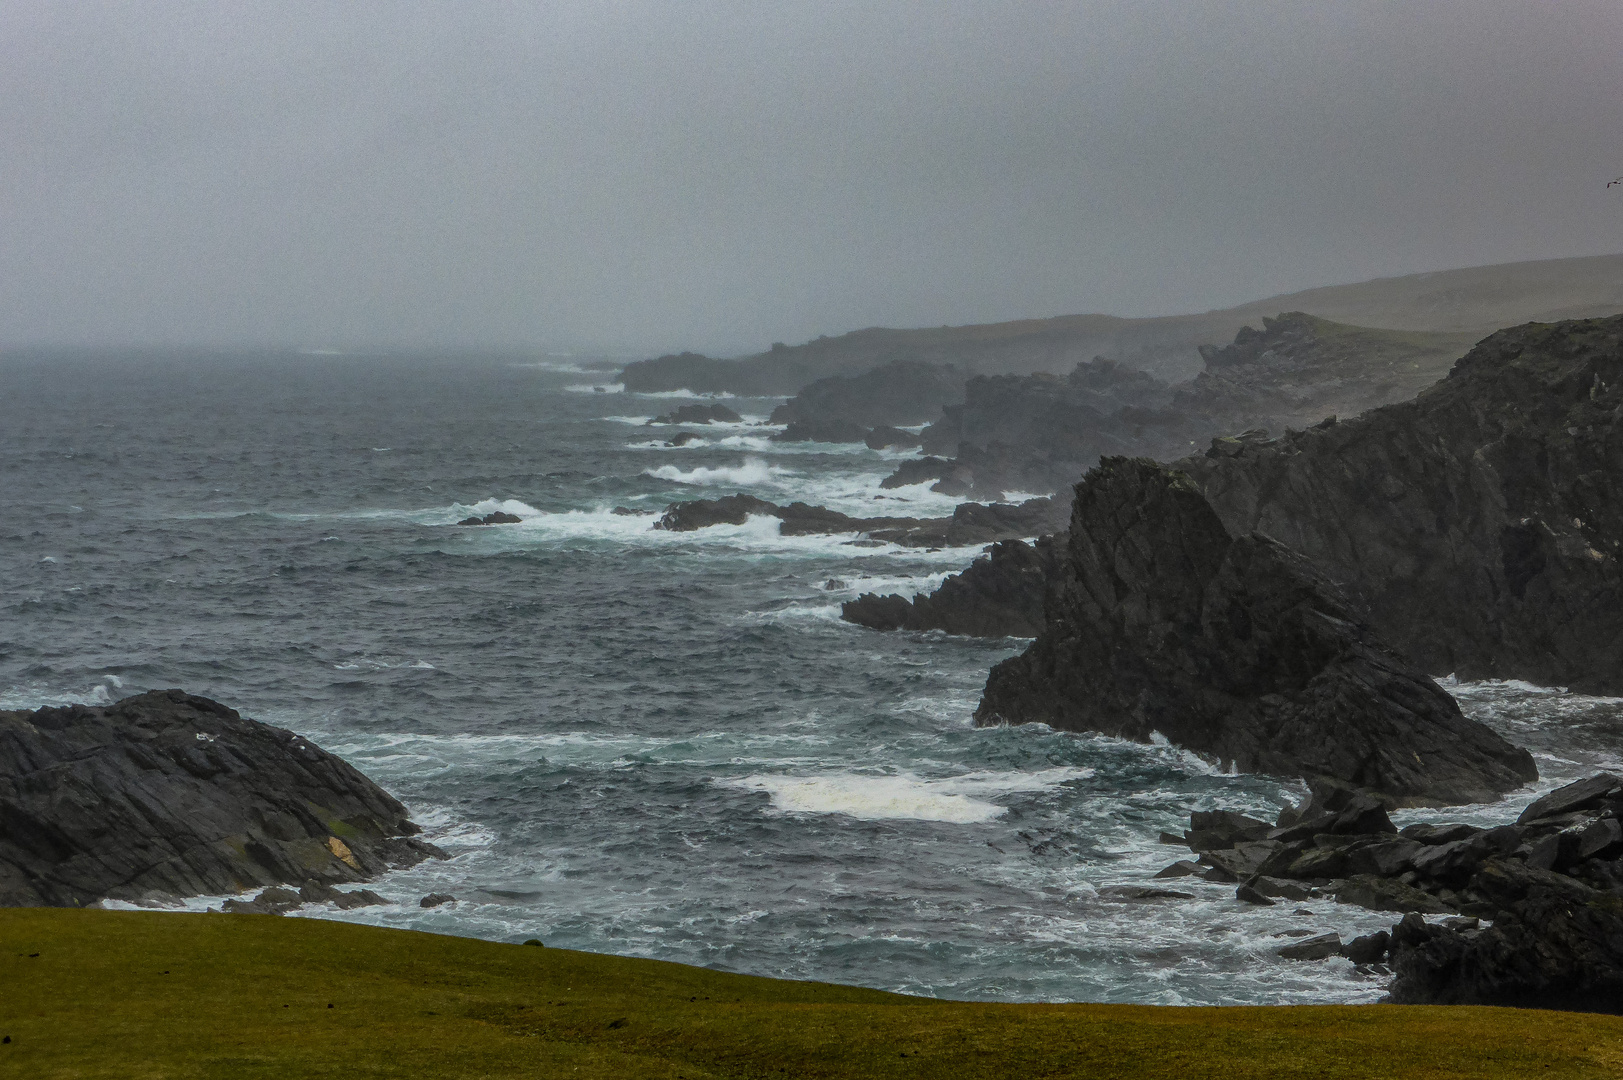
<point>629,741</point>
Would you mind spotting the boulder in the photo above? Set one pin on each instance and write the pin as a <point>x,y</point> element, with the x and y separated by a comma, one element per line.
<point>436,899</point>
<point>1580,795</point>
<point>1236,647</point>
<point>497,517</point>
<point>1321,947</point>
<point>169,793</point>
<point>1369,949</point>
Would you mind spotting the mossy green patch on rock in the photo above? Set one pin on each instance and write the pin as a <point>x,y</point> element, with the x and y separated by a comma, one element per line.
<point>145,994</point>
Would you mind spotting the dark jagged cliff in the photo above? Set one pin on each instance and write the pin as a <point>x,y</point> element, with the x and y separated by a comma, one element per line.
<point>167,794</point>
<point>1236,647</point>
<point>1476,528</point>
<point>1479,525</point>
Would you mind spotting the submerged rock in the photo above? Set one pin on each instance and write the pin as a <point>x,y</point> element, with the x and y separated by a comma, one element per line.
<point>169,793</point>
<point>1236,647</point>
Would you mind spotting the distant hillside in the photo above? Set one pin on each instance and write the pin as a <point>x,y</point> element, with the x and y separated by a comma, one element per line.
<point>1471,302</point>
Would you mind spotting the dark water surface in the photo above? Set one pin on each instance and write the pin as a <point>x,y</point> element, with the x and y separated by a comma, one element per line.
<point>631,741</point>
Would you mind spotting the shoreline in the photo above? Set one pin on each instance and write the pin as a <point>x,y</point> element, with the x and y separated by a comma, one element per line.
<point>144,993</point>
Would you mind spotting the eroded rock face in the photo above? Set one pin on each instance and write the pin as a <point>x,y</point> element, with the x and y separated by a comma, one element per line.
<point>170,794</point>
<point>1236,647</point>
<point>1479,525</point>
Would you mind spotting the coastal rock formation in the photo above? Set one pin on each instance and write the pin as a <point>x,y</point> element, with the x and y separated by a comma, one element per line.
<point>1234,646</point>
<point>998,595</point>
<point>167,794</point>
<point>1551,884</point>
<point>970,523</point>
<point>1038,433</point>
<point>698,414</point>
<point>1478,526</point>
<point>846,408</point>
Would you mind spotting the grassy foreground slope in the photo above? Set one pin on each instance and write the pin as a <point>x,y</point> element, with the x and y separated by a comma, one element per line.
<point>139,994</point>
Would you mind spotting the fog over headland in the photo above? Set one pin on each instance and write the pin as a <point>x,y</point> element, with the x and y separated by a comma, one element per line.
<point>643,176</point>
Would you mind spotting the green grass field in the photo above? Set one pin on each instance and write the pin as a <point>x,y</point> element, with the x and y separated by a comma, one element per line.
<point>139,994</point>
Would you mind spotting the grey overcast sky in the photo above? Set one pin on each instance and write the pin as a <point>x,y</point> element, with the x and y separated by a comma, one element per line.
<point>645,176</point>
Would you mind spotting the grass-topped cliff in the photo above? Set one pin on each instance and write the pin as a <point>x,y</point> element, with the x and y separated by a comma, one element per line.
<point>142,994</point>
<point>1472,302</point>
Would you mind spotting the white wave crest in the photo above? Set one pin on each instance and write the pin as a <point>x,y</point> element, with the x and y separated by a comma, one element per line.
<point>752,472</point>
<point>902,796</point>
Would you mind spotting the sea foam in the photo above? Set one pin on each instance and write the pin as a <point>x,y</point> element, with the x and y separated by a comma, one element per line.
<point>902,796</point>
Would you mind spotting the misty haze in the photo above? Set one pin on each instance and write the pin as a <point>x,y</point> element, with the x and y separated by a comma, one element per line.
<point>1091,503</point>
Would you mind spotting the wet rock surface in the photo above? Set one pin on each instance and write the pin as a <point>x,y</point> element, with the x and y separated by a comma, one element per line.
<point>998,595</point>
<point>1534,908</point>
<point>166,794</point>
<point>1237,648</point>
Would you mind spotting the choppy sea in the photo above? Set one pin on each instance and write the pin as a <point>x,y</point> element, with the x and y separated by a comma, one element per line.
<point>629,741</point>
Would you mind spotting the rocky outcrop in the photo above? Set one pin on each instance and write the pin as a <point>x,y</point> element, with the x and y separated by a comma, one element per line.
<point>698,414</point>
<point>1163,621</point>
<point>1000,594</point>
<point>1476,527</point>
<point>970,523</point>
<point>847,408</point>
<point>1533,910</point>
<point>1553,889</point>
<point>496,517</point>
<point>167,794</point>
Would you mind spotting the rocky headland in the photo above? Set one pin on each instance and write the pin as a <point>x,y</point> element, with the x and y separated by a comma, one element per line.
<point>1236,647</point>
<point>1470,528</point>
<point>1038,433</point>
<point>166,795</point>
<point>869,407</point>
